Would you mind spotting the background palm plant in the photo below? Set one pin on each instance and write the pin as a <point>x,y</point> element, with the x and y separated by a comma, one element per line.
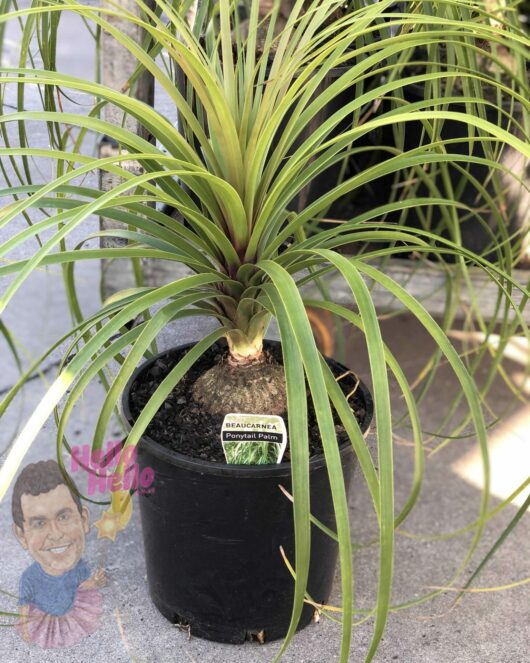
<point>231,177</point>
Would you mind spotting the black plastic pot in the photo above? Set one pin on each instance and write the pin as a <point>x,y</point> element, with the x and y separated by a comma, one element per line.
<point>475,236</point>
<point>212,536</point>
<point>329,178</point>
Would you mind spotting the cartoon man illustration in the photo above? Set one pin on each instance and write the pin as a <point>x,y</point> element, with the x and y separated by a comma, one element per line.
<point>59,599</point>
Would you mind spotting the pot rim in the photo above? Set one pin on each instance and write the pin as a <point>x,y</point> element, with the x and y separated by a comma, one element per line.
<point>240,471</point>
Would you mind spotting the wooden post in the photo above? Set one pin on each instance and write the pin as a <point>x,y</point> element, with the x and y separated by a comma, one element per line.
<point>118,64</point>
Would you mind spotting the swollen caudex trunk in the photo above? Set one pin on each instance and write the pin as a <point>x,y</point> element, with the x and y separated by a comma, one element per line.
<point>247,380</point>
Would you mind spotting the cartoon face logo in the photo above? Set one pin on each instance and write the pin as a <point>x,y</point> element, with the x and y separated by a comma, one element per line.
<point>59,601</point>
<point>53,530</point>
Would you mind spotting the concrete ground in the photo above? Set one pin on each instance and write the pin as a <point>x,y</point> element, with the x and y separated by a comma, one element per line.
<point>486,627</point>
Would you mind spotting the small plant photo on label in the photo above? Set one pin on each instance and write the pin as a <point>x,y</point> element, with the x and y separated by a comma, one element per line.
<point>251,453</point>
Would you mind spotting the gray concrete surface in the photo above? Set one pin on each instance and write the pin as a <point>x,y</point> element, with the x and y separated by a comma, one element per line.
<point>490,627</point>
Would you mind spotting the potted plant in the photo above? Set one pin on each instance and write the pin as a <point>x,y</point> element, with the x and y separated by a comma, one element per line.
<point>250,258</point>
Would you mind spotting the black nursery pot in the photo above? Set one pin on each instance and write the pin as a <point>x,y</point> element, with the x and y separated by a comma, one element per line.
<point>475,236</point>
<point>212,536</point>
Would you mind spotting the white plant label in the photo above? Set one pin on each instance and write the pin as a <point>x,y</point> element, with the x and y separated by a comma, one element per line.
<point>253,439</point>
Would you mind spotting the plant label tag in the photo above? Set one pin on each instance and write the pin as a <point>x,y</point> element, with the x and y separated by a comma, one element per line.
<point>253,439</point>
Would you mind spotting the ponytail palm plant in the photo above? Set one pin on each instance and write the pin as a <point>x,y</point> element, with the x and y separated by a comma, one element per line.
<point>242,155</point>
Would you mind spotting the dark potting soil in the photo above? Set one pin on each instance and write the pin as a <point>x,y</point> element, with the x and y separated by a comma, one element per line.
<point>183,426</point>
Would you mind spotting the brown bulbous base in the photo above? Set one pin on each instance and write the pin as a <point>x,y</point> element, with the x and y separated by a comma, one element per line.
<point>254,388</point>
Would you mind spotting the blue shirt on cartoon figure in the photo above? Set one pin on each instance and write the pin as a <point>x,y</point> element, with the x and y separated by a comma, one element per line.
<point>53,595</point>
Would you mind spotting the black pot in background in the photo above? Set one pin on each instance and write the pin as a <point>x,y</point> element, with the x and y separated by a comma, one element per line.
<point>474,235</point>
<point>212,536</point>
<point>329,178</point>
